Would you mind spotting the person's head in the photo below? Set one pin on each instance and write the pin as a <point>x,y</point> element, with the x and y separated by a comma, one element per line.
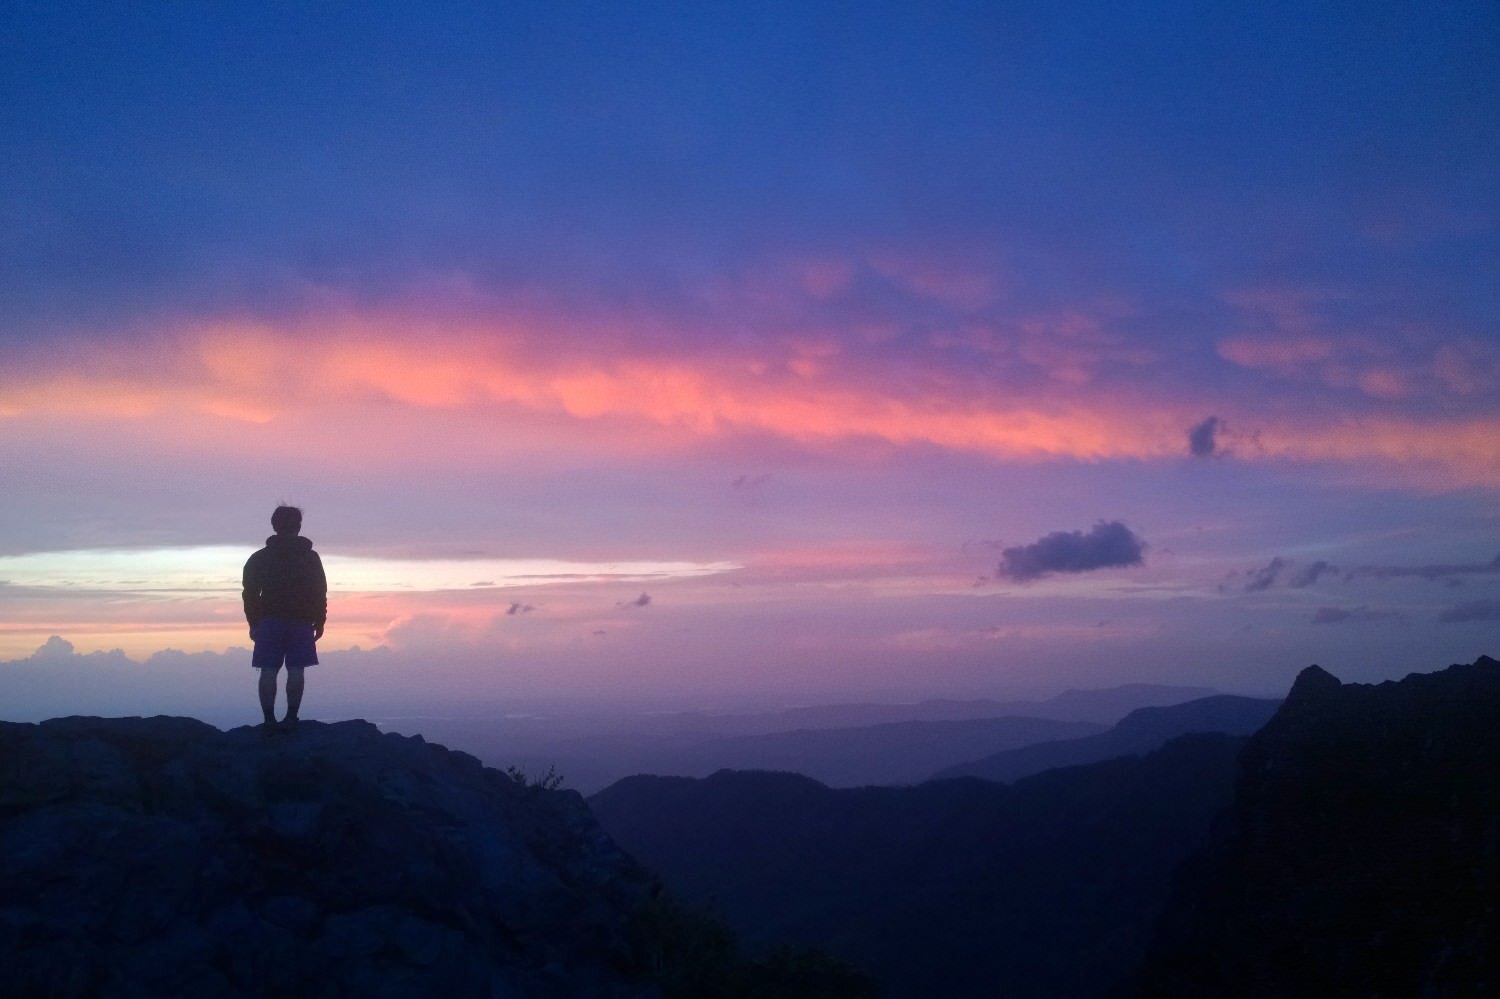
<point>286,520</point>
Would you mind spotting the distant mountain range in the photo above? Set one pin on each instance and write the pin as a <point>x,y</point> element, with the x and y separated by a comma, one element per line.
<point>1103,706</point>
<point>894,753</point>
<point>899,744</point>
<point>953,888</point>
<point>1348,848</point>
<point>1140,731</point>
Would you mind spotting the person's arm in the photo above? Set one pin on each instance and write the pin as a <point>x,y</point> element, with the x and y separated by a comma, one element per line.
<point>321,581</point>
<point>250,593</point>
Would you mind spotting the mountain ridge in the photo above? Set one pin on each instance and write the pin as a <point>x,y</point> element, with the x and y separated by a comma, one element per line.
<point>965,873</point>
<point>1141,731</point>
<point>1361,855</point>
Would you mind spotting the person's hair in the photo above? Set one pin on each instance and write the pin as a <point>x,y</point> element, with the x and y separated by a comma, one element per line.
<point>286,520</point>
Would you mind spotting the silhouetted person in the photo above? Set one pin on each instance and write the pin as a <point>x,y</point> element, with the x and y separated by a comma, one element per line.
<point>286,603</point>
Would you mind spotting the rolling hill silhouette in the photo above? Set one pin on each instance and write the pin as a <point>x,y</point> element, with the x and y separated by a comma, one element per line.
<point>1140,731</point>
<point>965,887</point>
<point>595,750</point>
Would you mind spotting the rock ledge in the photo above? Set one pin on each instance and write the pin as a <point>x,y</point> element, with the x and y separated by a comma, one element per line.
<point>161,856</point>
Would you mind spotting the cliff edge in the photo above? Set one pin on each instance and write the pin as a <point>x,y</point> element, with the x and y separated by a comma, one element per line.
<point>161,856</point>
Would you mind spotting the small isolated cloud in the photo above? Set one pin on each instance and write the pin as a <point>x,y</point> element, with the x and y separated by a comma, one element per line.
<point>484,582</point>
<point>1203,438</point>
<point>1341,615</point>
<point>1279,571</point>
<point>641,601</point>
<point>1310,574</point>
<point>518,608</point>
<point>1474,610</point>
<point>1264,578</point>
<point>1107,545</point>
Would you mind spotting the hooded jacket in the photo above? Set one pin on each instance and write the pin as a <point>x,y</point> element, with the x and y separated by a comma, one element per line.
<point>285,579</point>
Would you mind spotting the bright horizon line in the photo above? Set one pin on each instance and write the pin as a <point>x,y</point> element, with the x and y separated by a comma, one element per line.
<point>215,569</point>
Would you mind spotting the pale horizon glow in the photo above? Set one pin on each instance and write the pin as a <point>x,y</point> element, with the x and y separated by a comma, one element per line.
<point>215,569</point>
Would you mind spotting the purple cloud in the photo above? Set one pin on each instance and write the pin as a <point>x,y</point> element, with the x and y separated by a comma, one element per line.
<point>1265,577</point>
<point>1310,574</point>
<point>1203,438</point>
<point>1107,545</point>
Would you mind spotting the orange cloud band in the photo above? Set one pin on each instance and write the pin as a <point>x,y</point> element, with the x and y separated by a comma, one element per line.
<point>259,373</point>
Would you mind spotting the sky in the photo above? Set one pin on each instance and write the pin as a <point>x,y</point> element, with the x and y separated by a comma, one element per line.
<point>748,353</point>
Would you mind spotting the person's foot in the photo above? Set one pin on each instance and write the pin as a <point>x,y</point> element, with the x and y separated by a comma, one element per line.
<point>289,723</point>
<point>269,725</point>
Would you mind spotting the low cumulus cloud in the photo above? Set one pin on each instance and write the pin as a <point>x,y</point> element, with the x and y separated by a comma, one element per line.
<point>1474,610</point>
<point>1285,572</point>
<point>1264,578</point>
<point>518,608</point>
<point>1310,574</point>
<point>1108,545</point>
<point>1203,438</point>
<point>643,600</point>
<point>1281,571</point>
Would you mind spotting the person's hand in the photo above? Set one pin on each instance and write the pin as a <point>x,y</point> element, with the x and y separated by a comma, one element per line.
<point>317,632</point>
<point>252,633</point>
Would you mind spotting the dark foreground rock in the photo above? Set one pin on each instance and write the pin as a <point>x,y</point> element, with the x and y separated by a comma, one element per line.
<point>164,857</point>
<point>1362,854</point>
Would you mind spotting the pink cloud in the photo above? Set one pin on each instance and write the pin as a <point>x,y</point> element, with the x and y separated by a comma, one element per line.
<point>1282,355</point>
<point>1384,383</point>
<point>954,283</point>
<point>396,390</point>
<point>823,279</point>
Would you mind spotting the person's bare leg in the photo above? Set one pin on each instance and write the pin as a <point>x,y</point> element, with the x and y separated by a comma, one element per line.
<point>268,692</point>
<point>293,693</point>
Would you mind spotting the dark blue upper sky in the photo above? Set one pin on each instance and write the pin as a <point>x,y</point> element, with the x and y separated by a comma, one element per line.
<point>202,156</point>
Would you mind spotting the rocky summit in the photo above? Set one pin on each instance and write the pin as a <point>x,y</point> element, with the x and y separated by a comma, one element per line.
<point>1361,856</point>
<point>161,856</point>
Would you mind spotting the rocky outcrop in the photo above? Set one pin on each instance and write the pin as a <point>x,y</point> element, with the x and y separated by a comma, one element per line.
<point>1362,853</point>
<point>164,857</point>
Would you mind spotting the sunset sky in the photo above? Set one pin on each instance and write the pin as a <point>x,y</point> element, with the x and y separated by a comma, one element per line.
<point>716,354</point>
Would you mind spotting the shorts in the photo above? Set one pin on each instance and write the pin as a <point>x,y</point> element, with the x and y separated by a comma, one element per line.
<point>282,641</point>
